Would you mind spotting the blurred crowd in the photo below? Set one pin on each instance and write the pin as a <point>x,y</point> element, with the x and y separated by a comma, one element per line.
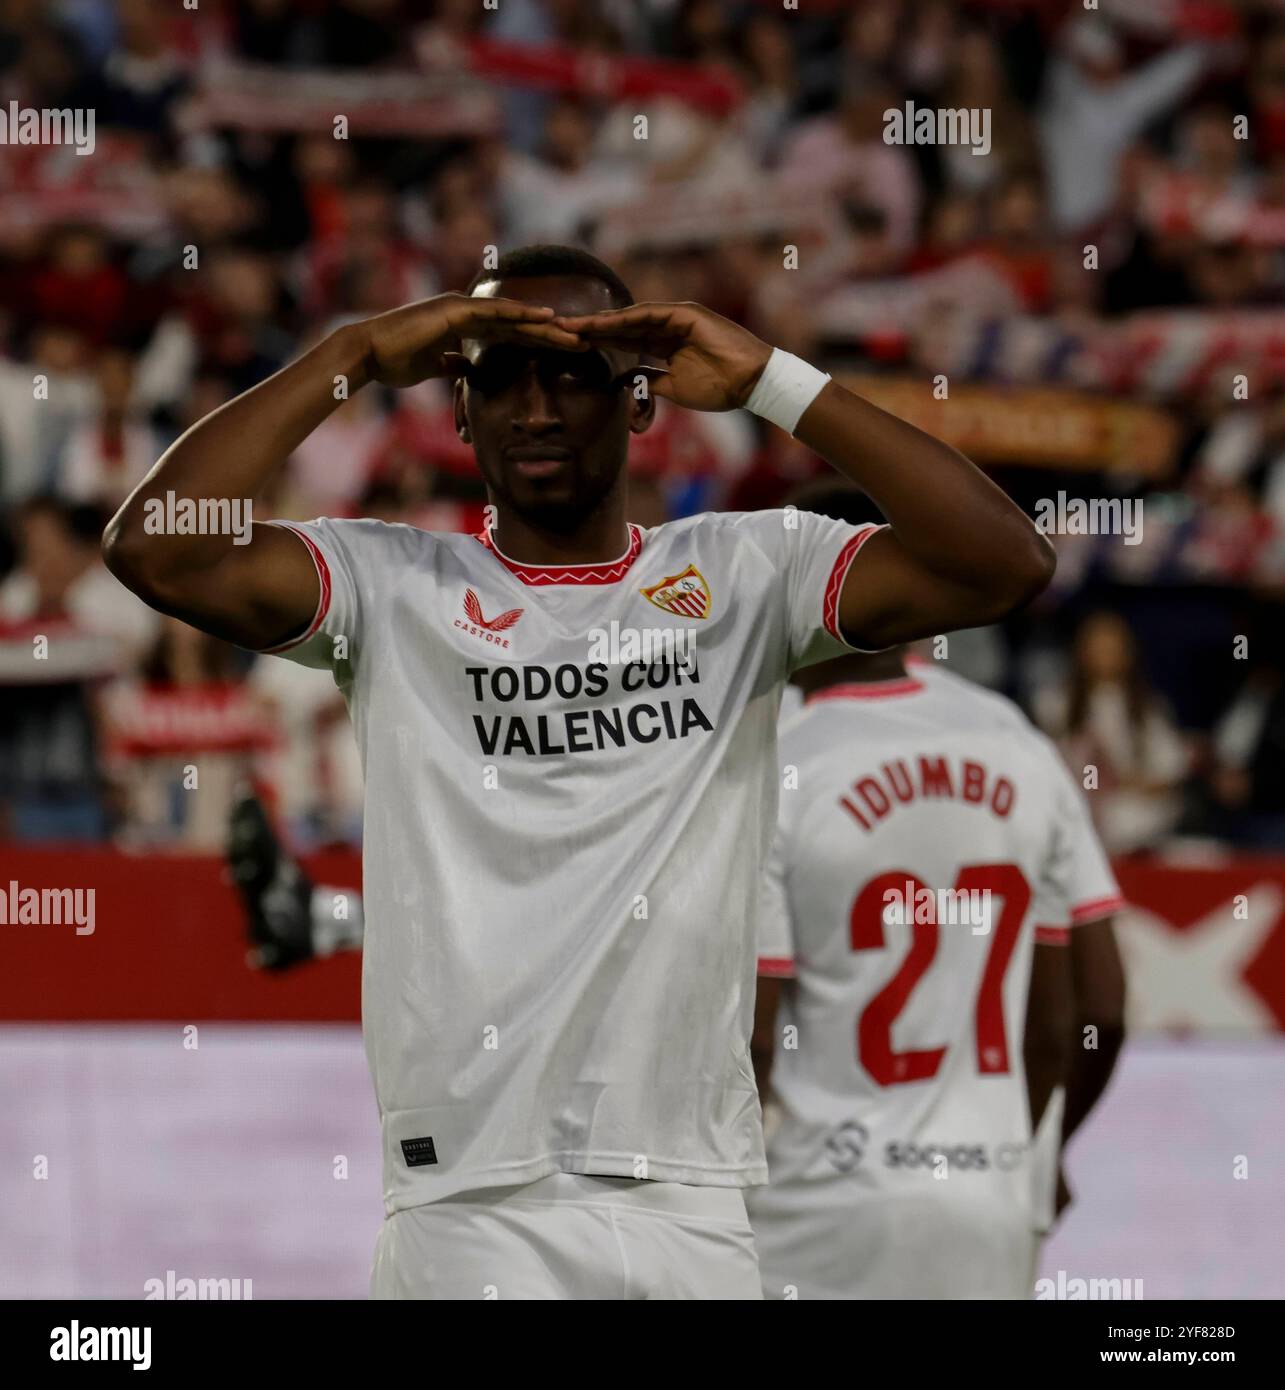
<point>265,170</point>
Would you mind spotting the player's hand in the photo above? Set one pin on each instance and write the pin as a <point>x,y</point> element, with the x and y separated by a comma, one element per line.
<point>409,345</point>
<point>710,362</point>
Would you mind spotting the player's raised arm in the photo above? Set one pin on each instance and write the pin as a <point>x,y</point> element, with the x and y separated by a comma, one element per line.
<point>257,586</point>
<point>957,552</point>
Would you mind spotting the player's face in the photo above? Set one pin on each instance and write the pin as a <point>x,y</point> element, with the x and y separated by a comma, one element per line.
<point>550,429</point>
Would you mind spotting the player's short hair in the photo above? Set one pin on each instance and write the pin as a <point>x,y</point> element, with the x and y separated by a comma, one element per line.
<point>836,499</point>
<point>527,262</point>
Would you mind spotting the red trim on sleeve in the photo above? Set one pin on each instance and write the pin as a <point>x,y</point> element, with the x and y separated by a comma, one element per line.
<point>1096,908</point>
<point>323,599</point>
<point>1052,936</point>
<point>777,967</point>
<point>834,585</point>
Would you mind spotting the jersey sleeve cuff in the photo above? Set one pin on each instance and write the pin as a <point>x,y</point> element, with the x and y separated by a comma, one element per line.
<point>323,597</point>
<point>776,967</point>
<point>1052,936</point>
<point>1095,909</point>
<point>834,585</point>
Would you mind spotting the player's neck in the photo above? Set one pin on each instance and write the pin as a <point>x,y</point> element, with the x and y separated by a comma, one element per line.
<point>602,536</point>
<point>860,668</point>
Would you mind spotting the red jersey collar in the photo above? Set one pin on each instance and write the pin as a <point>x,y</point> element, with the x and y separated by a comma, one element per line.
<point>867,690</point>
<point>596,572</point>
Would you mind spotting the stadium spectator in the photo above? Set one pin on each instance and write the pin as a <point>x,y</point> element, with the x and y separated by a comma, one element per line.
<point>1093,109</point>
<point>186,723</point>
<point>65,626</point>
<point>1246,780</point>
<point>142,77</point>
<point>44,393</point>
<point>107,455</point>
<point>976,81</point>
<point>846,156</point>
<point>1117,737</point>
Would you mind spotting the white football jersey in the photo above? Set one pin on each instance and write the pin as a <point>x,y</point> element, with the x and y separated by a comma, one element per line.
<point>928,836</point>
<point>567,813</point>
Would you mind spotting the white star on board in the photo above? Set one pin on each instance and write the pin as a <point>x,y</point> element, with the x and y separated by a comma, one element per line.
<point>1193,978</point>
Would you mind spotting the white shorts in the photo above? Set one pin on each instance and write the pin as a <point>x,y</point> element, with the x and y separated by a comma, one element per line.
<point>571,1236</point>
<point>892,1246</point>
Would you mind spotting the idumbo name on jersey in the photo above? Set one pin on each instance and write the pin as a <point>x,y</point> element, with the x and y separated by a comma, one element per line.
<point>614,706</point>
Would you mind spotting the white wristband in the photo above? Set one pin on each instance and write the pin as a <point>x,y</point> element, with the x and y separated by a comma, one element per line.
<point>786,388</point>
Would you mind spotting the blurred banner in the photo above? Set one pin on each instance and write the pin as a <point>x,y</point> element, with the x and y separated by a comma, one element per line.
<point>589,73</point>
<point>1204,947</point>
<point>1034,427</point>
<point>455,98</point>
<point>963,321</point>
<point>1167,352</point>
<point>118,191</point>
<point>262,97</point>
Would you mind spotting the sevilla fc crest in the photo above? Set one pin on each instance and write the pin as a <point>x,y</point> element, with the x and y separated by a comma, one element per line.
<point>686,594</point>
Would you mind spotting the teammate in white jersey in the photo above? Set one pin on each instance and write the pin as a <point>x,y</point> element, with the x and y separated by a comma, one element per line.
<point>568,805</point>
<point>905,1162</point>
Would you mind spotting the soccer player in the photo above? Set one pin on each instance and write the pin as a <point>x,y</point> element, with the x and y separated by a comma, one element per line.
<point>563,837</point>
<point>915,1153</point>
